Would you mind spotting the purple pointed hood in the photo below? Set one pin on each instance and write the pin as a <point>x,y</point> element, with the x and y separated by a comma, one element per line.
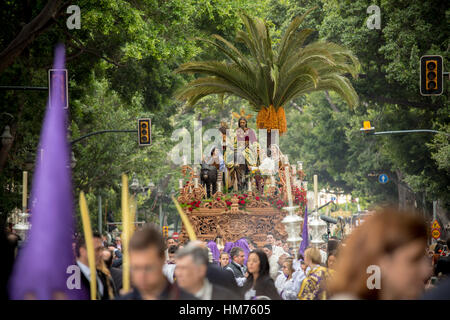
<point>214,250</point>
<point>41,268</point>
<point>305,235</point>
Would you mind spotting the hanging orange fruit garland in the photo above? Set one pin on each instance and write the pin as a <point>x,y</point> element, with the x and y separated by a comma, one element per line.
<point>269,118</point>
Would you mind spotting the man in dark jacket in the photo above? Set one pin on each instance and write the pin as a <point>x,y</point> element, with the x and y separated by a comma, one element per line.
<point>147,258</point>
<point>237,265</point>
<point>190,272</point>
<point>83,264</point>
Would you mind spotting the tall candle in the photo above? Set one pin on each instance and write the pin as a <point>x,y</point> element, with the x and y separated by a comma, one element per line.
<point>181,183</point>
<point>272,180</point>
<point>249,185</point>
<point>195,182</point>
<point>288,184</point>
<point>184,161</point>
<point>24,193</point>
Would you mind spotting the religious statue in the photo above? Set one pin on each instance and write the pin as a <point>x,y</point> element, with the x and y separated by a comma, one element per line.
<point>241,153</point>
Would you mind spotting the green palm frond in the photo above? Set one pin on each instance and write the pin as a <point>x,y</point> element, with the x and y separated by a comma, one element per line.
<point>272,76</point>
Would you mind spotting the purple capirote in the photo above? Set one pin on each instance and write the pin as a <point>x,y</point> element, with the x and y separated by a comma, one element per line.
<point>228,246</point>
<point>214,250</point>
<point>42,263</point>
<point>305,235</point>
<point>242,243</point>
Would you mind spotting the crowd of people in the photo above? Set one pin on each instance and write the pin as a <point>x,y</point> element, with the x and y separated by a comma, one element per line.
<point>393,242</point>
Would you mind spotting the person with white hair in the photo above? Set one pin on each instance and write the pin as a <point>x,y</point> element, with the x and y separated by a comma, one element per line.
<point>192,264</point>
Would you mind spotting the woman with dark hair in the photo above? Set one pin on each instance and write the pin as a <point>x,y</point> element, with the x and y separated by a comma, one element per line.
<point>259,284</point>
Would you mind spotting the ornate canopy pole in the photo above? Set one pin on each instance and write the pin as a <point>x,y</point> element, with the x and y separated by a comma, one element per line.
<point>292,221</point>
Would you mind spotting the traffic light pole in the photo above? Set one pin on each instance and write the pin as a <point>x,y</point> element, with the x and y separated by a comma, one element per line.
<point>410,131</point>
<point>101,132</point>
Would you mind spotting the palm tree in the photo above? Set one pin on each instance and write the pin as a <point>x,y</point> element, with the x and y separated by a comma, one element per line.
<point>269,78</point>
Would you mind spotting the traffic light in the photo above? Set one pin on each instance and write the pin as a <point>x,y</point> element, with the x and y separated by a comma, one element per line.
<point>367,128</point>
<point>165,230</point>
<point>144,132</point>
<point>431,75</point>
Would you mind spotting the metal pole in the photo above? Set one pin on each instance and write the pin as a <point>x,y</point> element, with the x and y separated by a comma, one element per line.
<point>100,132</point>
<point>316,193</point>
<point>23,88</point>
<point>160,215</point>
<point>100,229</point>
<point>434,215</point>
<point>410,131</point>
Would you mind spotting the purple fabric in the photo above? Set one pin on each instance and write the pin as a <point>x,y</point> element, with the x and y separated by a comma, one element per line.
<point>305,235</point>
<point>228,246</point>
<point>41,265</point>
<point>242,243</point>
<point>214,250</point>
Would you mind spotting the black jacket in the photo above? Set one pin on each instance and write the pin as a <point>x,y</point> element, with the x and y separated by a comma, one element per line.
<point>264,286</point>
<point>86,282</point>
<point>171,292</point>
<point>217,276</point>
<point>222,293</point>
<point>116,275</point>
<point>236,270</point>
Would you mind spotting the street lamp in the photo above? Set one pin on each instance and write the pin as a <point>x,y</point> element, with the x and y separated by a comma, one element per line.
<point>7,137</point>
<point>73,161</point>
<point>317,228</point>
<point>134,185</point>
<point>23,226</point>
<point>292,223</point>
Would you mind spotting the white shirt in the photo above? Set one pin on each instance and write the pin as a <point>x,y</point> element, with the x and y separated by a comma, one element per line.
<point>286,288</point>
<point>169,270</point>
<point>273,264</point>
<point>205,293</point>
<point>278,251</point>
<point>323,255</point>
<point>87,273</point>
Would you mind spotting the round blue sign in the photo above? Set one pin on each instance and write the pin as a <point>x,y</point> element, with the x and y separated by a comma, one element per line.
<point>383,178</point>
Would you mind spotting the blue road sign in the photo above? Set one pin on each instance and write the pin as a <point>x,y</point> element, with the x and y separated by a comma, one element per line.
<point>383,178</point>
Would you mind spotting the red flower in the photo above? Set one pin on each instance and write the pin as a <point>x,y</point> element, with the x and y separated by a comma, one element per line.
<point>242,202</point>
<point>197,205</point>
<point>190,208</point>
<point>257,198</point>
<point>228,203</point>
<point>218,199</point>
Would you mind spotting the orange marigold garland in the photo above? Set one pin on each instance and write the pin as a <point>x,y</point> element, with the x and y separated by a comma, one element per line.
<point>269,118</point>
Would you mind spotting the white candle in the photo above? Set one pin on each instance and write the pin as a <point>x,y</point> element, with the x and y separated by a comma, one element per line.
<point>195,182</point>
<point>272,180</point>
<point>219,186</point>
<point>288,186</point>
<point>184,161</point>
<point>181,183</point>
<point>249,185</point>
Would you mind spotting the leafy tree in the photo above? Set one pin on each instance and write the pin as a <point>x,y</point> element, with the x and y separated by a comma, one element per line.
<point>268,79</point>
